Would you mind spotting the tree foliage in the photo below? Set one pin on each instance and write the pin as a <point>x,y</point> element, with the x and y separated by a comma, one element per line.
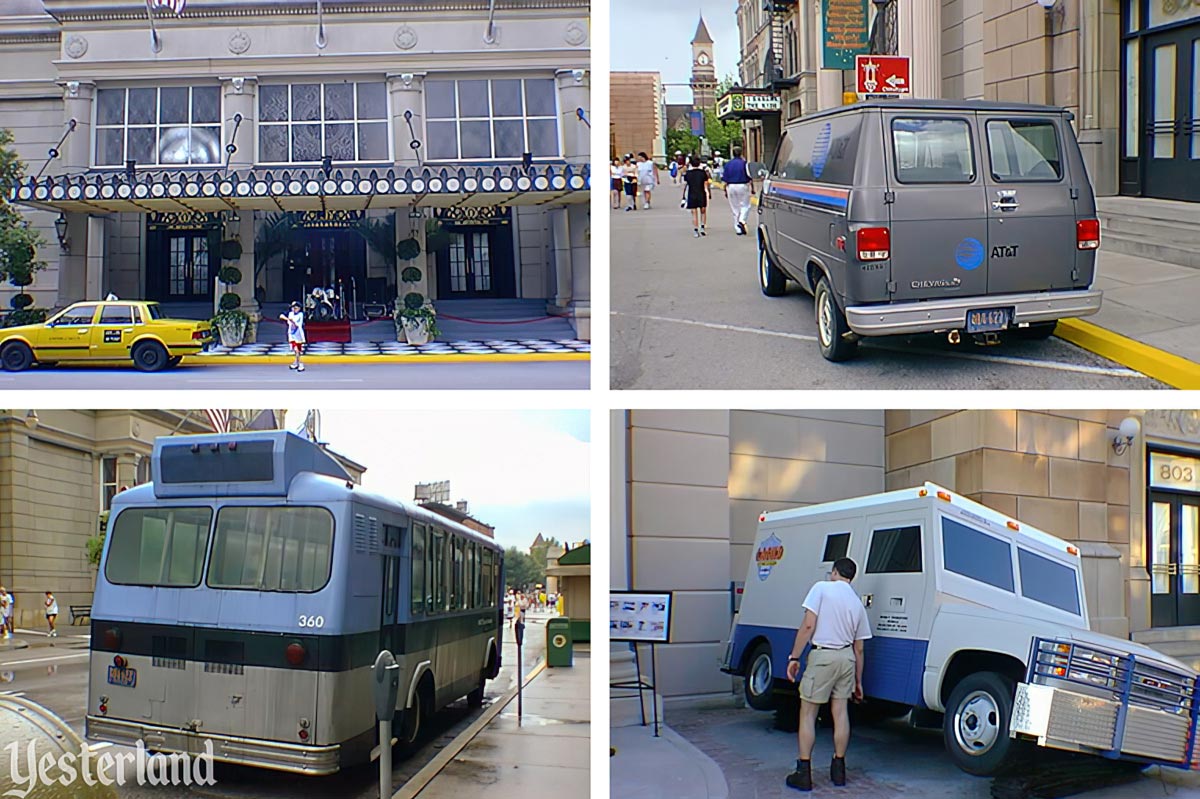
<point>681,141</point>
<point>539,552</point>
<point>521,571</point>
<point>18,242</point>
<point>721,135</point>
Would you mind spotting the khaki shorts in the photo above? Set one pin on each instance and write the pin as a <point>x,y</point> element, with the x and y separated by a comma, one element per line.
<point>829,673</point>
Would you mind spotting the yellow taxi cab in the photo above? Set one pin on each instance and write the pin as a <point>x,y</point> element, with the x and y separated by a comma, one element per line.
<point>109,330</point>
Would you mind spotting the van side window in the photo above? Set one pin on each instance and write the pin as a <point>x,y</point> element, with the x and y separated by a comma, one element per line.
<point>1023,149</point>
<point>932,150</point>
<point>977,555</point>
<point>836,546</point>
<point>1047,581</point>
<point>896,549</point>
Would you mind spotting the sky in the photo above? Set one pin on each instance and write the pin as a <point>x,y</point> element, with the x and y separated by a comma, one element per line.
<point>656,37</point>
<point>524,472</point>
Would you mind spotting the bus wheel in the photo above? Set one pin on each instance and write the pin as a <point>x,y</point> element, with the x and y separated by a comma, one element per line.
<point>975,728</point>
<point>475,698</point>
<point>412,721</point>
<point>759,679</point>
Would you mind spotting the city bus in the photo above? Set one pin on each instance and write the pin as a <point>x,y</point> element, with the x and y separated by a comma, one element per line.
<point>245,592</point>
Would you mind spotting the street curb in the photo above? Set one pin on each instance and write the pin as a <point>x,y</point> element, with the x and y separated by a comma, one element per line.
<point>13,646</point>
<point>1171,369</point>
<point>422,778</point>
<point>545,357</point>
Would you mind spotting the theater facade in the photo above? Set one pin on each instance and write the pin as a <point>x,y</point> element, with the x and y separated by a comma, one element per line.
<point>289,126</point>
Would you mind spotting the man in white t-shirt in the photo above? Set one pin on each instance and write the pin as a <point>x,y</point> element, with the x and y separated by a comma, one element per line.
<point>836,623</point>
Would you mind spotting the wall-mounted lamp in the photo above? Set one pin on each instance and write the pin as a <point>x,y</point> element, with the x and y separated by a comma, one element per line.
<point>1127,431</point>
<point>31,419</point>
<point>578,75</point>
<point>60,230</point>
<point>1055,12</point>
<point>407,79</point>
<point>327,165</point>
<point>415,213</point>
<point>239,84</point>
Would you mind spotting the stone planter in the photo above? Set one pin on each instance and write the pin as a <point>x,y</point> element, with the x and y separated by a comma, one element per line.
<point>416,331</point>
<point>233,334</point>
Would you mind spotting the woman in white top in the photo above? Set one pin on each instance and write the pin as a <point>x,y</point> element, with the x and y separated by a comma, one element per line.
<point>616,178</point>
<point>647,177</point>
<point>295,323</point>
<point>51,613</point>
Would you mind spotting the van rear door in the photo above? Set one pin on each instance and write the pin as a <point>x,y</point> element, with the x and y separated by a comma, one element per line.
<point>938,218</point>
<point>1031,210</point>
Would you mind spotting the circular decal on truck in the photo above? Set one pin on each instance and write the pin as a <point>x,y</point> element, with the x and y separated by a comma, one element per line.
<point>820,151</point>
<point>969,254</point>
<point>769,553</point>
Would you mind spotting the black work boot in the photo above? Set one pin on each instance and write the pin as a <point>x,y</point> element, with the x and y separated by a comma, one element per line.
<point>801,778</point>
<point>837,771</point>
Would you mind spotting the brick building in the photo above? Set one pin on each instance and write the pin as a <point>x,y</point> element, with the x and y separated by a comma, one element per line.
<point>637,120</point>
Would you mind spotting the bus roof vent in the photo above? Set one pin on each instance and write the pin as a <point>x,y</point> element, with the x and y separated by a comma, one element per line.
<point>256,463</point>
<point>366,534</point>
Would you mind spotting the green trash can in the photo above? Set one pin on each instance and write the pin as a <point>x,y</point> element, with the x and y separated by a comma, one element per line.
<point>559,644</point>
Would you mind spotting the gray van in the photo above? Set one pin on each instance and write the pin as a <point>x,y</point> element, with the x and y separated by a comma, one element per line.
<point>931,216</point>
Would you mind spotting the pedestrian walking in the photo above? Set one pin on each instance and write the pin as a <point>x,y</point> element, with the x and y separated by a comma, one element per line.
<point>629,173</point>
<point>51,613</point>
<point>696,194</point>
<point>6,606</point>
<point>836,623</point>
<point>295,323</point>
<point>615,174</point>
<point>647,177</point>
<point>681,163</point>
<point>739,188</point>
<point>674,170</point>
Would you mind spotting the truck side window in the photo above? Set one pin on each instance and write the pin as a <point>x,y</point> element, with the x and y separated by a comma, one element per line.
<point>896,549</point>
<point>1047,581</point>
<point>1023,149</point>
<point>977,555</point>
<point>836,546</point>
<point>932,150</point>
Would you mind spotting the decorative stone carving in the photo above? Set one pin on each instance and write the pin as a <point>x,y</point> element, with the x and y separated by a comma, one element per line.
<point>239,42</point>
<point>1173,423</point>
<point>76,46</point>
<point>575,34</point>
<point>406,37</point>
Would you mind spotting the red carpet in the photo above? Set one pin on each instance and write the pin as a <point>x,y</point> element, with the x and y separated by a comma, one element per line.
<point>337,331</point>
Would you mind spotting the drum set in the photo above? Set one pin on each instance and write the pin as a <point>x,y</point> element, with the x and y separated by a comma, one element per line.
<point>324,304</point>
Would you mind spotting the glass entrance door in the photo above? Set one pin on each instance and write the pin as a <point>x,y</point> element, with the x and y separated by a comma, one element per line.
<point>188,276</point>
<point>1174,560</point>
<point>469,265</point>
<point>1171,114</point>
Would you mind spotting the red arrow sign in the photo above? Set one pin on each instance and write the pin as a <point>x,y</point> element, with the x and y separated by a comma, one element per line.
<point>882,74</point>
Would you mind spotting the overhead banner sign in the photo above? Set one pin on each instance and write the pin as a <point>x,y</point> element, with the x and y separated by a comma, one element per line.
<point>697,122</point>
<point>740,104</point>
<point>844,32</point>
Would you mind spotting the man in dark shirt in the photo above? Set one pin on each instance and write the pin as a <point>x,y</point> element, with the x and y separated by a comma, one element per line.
<point>739,188</point>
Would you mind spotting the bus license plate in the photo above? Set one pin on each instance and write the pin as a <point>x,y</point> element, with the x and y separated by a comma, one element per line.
<point>988,320</point>
<point>123,676</point>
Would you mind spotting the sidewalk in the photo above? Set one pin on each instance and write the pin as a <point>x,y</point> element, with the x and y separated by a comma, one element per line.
<point>548,754</point>
<point>668,767</point>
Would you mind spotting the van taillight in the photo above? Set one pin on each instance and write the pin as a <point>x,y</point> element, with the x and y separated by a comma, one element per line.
<point>1087,234</point>
<point>874,244</point>
<point>112,638</point>
<point>296,653</point>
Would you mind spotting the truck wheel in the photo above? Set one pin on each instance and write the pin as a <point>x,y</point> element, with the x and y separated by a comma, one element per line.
<point>149,356</point>
<point>831,325</point>
<point>772,282</point>
<point>1038,331</point>
<point>976,724</point>
<point>759,679</point>
<point>16,356</point>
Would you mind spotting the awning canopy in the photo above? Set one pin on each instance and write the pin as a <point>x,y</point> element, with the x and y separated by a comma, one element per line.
<point>305,189</point>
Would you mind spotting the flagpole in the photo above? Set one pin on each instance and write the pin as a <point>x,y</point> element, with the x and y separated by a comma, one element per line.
<point>155,42</point>
<point>321,41</point>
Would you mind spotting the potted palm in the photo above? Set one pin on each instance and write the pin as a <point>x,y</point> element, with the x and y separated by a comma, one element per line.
<point>230,321</point>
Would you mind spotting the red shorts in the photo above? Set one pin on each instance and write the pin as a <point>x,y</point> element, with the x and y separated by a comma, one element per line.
<point>297,346</point>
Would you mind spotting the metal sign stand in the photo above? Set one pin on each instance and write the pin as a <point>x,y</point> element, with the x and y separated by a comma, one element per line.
<point>641,686</point>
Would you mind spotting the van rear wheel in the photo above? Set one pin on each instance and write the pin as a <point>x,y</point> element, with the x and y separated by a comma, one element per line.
<point>772,281</point>
<point>831,325</point>
<point>975,727</point>
<point>759,678</point>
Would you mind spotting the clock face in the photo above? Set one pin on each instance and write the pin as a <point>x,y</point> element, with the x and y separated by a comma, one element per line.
<point>703,59</point>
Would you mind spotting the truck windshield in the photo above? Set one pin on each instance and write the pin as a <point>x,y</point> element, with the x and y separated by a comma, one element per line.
<point>158,546</point>
<point>272,549</point>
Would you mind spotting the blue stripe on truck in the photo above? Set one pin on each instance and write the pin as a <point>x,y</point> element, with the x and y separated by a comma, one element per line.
<point>893,671</point>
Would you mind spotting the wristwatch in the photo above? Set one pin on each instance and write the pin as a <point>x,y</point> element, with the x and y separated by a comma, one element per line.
<point>791,658</point>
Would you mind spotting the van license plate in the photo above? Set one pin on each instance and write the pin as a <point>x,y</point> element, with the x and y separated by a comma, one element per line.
<point>988,320</point>
<point>125,677</point>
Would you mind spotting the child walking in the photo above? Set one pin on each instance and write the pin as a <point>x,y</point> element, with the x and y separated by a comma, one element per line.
<point>295,323</point>
<point>51,613</point>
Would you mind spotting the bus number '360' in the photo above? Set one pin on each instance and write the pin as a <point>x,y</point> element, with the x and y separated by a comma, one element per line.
<point>312,621</point>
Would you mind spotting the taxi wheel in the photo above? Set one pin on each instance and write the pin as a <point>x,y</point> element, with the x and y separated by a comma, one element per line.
<point>149,356</point>
<point>831,325</point>
<point>173,362</point>
<point>16,356</point>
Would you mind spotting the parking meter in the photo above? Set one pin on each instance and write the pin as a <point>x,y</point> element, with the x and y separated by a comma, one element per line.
<point>384,690</point>
<point>519,631</point>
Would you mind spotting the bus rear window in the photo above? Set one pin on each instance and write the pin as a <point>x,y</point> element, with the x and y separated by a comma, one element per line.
<point>158,546</point>
<point>272,549</point>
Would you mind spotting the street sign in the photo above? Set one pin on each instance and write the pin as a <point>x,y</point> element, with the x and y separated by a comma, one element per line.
<point>882,74</point>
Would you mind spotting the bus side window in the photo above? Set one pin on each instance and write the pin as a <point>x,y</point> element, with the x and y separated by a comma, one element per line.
<point>460,585</point>
<point>436,574</point>
<point>417,593</point>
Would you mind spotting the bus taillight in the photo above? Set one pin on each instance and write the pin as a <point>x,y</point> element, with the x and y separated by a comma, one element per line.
<point>296,653</point>
<point>303,729</point>
<point>112,638</point>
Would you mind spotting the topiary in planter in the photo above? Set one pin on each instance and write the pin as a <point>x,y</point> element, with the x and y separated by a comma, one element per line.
<point>410,274</point>
<point>413,301</point>
<point>231,250</point>
<point>408,249</point>
<point>230,275</point>
<point>20,302</point>
<point>230,301</point>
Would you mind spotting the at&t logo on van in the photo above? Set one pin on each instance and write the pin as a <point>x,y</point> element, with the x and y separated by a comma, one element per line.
<point>769,553</point>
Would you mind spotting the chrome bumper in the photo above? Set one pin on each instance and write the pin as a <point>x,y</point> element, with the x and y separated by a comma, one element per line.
<point>1062,719</point>
<point>931,316</point>
<point>317,760</point>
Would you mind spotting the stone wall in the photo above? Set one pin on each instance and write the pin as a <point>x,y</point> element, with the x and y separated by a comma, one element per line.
<point>1018,65</point>
<point>962,49</point>
<point>635,99</point>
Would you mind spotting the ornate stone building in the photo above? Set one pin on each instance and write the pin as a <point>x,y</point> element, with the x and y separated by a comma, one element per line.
<point>704,70</point>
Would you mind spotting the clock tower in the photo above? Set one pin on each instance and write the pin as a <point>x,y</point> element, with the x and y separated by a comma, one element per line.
<point>704,71</point>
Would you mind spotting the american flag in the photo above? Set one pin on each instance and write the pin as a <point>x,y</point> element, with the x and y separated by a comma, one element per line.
<point>174,5</point>
<point>219,419</point>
